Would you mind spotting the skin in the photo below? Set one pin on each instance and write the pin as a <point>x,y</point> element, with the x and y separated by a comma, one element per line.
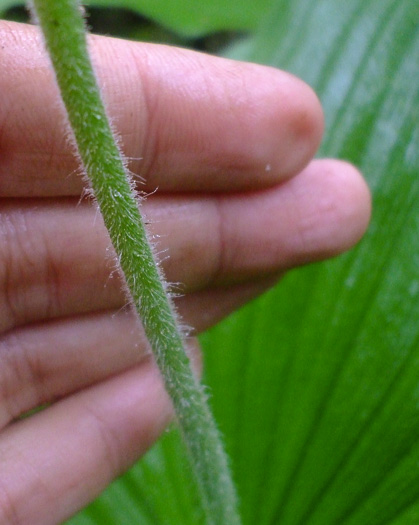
<point>228,146</point>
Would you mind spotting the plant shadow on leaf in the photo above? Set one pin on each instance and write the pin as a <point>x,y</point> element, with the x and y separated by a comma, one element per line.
<point>316,384</point>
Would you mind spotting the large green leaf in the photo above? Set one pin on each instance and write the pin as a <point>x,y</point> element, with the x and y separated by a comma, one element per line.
<point>188,17</point>
<point>316,385</point>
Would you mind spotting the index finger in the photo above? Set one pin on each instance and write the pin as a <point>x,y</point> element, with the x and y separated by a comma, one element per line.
<point>188,121</point>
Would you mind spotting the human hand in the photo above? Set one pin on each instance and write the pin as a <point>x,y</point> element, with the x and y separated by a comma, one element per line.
<point>228,146</point>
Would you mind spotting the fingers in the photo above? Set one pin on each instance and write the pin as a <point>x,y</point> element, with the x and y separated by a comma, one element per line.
<point>290,224</point>
<point>54,463</point>
<point>188,121</point>
<point>44,362</point>
<point>55,260</point>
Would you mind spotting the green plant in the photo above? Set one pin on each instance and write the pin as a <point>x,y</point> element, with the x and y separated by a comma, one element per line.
<point>192,18</point>
<point>332,353</point>
<point>64,32</point>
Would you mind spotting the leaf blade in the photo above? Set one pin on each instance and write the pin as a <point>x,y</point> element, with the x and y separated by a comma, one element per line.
<point>315,385</point>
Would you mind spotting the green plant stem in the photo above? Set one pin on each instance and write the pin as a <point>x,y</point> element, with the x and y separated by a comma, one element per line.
<point>65,35</point>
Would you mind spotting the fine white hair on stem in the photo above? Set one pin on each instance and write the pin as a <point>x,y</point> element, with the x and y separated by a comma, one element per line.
<point>65,37</point>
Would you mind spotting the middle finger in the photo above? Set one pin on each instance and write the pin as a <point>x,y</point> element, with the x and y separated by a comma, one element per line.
<point>56,261</point>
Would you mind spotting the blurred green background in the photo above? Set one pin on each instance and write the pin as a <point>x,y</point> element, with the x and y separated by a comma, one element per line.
<point>316,384</point>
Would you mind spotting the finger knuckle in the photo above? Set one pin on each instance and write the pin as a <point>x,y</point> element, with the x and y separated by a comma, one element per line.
<point>23,378</point>
<point>9,514</point>
<point>25,284</point>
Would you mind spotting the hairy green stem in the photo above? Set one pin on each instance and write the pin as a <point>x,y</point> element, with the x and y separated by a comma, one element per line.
<point>64,31</point>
